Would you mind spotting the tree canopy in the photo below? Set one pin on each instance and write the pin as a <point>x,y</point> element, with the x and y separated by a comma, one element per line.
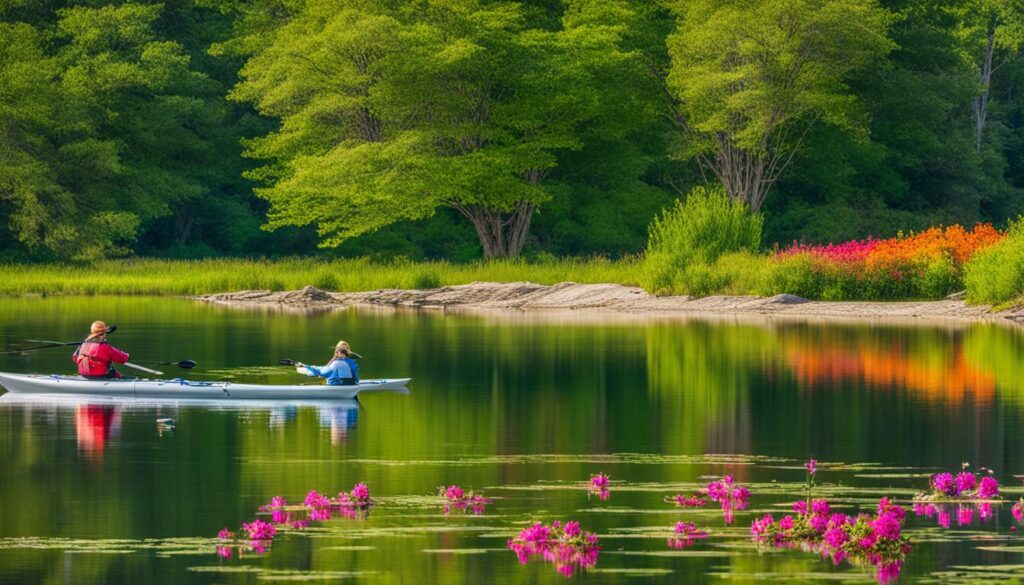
<point>468,128</point>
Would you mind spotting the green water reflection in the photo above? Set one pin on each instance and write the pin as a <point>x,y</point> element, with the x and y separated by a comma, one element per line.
<point>523,408</point>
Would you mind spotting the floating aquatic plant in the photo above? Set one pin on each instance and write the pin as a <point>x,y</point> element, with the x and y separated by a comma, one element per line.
<point>564,545</point>
<point>964,485</point>
<point>259,534</point>
<point>866,539</point>
<point>458,499</point>
<point>694,501</point>
<point>685,534</point>
<point>598,486</point>
<point>729,495</point>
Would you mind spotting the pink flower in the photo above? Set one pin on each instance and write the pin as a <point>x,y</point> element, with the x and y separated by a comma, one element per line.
<point>1018,511</point>
<point>835,537</point>
<point>689,502</point>
<point>453,492</point>
<point>944,484</point>
<point>572,529</point>
<point>786,523</point>
<point>965,482</point>
<point>760,527</point>
<point>599,481</point>
<point>685,527</point>
<point>838,520</point>
<point>811,466</point>
<point>964,515</point>
<point>315,500</point>
<point>989,487</point>
<point>887,526</point>
<point>224,552</point>
<point>717,492</point>
<point>259,530</point>
<point>360,493</point>
<point>800,507</point>
<point>944,519</point>
<point>820,506</point>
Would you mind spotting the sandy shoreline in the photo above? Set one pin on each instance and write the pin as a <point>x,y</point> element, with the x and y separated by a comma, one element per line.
<point>598,300</point>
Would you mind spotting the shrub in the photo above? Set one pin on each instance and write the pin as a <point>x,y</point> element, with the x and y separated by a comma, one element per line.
<point>996,275</point>
<point>686,240</point>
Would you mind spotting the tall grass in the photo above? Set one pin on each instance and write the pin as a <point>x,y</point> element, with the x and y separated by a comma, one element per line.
<point>685,242</point>
<point>193,277</point>
<point>995,275</point>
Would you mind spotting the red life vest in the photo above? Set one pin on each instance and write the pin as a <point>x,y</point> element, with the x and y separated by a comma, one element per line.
<point>94,358</point>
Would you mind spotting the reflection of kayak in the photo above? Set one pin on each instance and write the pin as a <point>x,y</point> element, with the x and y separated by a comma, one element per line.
<point>179,388</point>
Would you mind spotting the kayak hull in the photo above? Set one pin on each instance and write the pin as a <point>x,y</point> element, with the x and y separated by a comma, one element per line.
<point>180,388</point>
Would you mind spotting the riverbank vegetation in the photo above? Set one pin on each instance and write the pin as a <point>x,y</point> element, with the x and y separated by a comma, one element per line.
<point>192,277</point>
<point>463,129</point>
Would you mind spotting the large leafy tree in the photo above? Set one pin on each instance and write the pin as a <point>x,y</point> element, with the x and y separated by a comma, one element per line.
<point>108,127</point>
<point>753,76</point>
<point>388,111</point>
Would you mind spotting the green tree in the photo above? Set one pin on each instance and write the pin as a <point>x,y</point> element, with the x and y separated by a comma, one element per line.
<point>389,113</point>
<point>991,34</point>
<point>752,77</point>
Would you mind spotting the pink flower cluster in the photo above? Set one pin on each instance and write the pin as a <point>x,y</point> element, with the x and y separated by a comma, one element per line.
<point>729,495</point>
<point>599,486</point>
<point>865,539</point>
<point>1018,511</point>
<point>457,499</point>
<point>564,545</point>
<point>694,501</point>
<point>964,485</point>
<point>259,533</point>
<point>685,534</point>
<point>851,251</point>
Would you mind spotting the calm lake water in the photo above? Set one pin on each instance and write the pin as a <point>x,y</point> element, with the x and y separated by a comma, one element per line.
<point>524,409</point>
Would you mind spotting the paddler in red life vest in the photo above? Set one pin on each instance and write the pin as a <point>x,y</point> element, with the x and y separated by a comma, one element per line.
<point>95,357</point>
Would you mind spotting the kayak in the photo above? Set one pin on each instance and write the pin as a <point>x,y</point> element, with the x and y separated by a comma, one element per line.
<point>181,388</point>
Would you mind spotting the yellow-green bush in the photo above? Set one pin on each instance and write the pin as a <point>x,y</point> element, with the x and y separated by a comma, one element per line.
<point>686,240</point>
<point>995,275</point>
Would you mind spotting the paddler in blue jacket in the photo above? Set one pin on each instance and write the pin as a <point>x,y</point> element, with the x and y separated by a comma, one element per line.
<point>340,371</point>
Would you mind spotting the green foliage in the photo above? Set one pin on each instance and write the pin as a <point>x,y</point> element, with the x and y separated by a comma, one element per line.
<point>995,275</point>
<point>190,277</point>
<point>751,78</point>
<point>690,236</point>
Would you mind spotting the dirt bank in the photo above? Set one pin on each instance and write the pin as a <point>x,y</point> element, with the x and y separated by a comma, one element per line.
<point>607,298</point>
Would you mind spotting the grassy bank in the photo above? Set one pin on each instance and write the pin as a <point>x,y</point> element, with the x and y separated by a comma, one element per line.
<point>191,277</point>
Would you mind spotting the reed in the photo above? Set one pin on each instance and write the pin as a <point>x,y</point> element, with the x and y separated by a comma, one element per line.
<point>147,276</point>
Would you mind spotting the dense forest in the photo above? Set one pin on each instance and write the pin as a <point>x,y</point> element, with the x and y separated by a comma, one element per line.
<point>465,128</point>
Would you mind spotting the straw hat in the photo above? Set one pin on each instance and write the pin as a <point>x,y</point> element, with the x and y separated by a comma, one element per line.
<point>98,327</point>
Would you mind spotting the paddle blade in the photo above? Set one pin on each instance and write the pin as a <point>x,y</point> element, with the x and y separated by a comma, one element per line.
<point>112,329</point>
<point>186,364</point>
<point>286,362</point>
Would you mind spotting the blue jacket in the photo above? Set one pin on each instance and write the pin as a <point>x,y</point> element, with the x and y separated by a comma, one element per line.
<point>355,368</point>
<point>338,372</point>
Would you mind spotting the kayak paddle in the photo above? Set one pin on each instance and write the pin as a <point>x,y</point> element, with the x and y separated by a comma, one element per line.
<point>48,344</point>
<point>142,369</point>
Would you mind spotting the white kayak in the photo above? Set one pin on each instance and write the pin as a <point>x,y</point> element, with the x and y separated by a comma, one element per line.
<point>181,388</point>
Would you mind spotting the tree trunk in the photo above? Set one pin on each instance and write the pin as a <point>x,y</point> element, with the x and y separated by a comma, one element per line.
<point>501,234</point>
<point>745,175</point>
<point>980,105</point>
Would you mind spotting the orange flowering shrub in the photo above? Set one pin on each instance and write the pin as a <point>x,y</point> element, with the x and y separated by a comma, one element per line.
<point>926,264</point>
